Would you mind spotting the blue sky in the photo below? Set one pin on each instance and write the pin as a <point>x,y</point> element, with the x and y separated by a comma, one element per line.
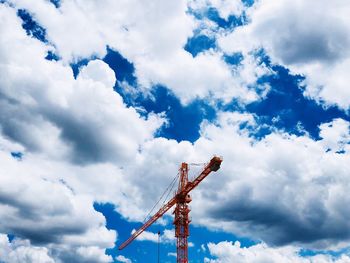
<point>101,102</point>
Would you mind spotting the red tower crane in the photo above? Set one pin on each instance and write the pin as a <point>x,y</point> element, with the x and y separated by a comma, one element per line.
<point>181,200</point>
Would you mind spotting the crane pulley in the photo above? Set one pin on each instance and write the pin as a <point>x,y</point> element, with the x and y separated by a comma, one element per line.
<point>181,212</point>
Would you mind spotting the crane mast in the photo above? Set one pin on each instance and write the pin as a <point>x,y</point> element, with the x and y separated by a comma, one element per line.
<point>181,220</point>
<point>181,212</point>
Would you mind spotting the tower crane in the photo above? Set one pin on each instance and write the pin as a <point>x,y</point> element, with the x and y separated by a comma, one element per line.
<point>180,201</point>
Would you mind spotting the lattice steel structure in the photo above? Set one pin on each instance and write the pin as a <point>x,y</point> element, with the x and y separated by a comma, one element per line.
<point>181,212</point>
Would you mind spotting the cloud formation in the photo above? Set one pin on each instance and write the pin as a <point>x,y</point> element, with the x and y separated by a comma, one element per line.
<point>78,118</point>
<point>227,252</point>
<point>158,55</point>
<point>21,251</point>
<point>309,40</point>
<point>282,189</point>
<point>79,143</point>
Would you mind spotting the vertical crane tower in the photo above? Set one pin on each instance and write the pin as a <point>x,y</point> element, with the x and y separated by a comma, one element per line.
<point>181,212</point>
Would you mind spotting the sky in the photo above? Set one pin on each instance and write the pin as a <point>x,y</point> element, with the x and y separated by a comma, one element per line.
<point>102,100</point>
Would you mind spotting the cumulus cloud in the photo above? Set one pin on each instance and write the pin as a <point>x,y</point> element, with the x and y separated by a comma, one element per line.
<point>146,236</point>
<point>335,135</point>
<point>81,144</point>
<point>158,55</point>
<point>310,41</point>
<point>43,210</point>
<point>22,251</point>
<point>227,252</point>
<point>167,236</point>
<point>78,118</point>
<point>123,259</point>
<point>65,128</point>
<point>100,72</point>
<point>282,189</point>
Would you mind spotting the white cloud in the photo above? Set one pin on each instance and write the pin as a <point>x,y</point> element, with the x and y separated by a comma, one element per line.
<point>189,77</point>
<point>77,118</point>
<point>43,209</point>
<point>100,72</point>
<point>123,259</point>
<point>336,135</point>
<point>227,252</point>
<point>225,8</point>
<point>79,30</point>
<point>146,236</point>
<point>168,236</point>
<point>310,39</point>
<point>81,144</point>
<point>273,188</point>
<point>62,126</point>
<point>91,254</point>
<point>19,251</point>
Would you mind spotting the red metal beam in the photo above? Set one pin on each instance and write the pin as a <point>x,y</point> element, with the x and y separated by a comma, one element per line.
<point>154,218</point>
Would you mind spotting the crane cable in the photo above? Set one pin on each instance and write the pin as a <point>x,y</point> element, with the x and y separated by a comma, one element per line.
<point>171,189</point>
<point>167,191</point>
<point>197,164</point>
<point>158,246</point>
<point>194,164</point>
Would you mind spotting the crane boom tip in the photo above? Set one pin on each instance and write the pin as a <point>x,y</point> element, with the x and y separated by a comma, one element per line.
<point>215,163</point>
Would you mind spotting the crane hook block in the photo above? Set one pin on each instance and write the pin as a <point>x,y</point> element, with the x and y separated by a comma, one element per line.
<point>215,163</point>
